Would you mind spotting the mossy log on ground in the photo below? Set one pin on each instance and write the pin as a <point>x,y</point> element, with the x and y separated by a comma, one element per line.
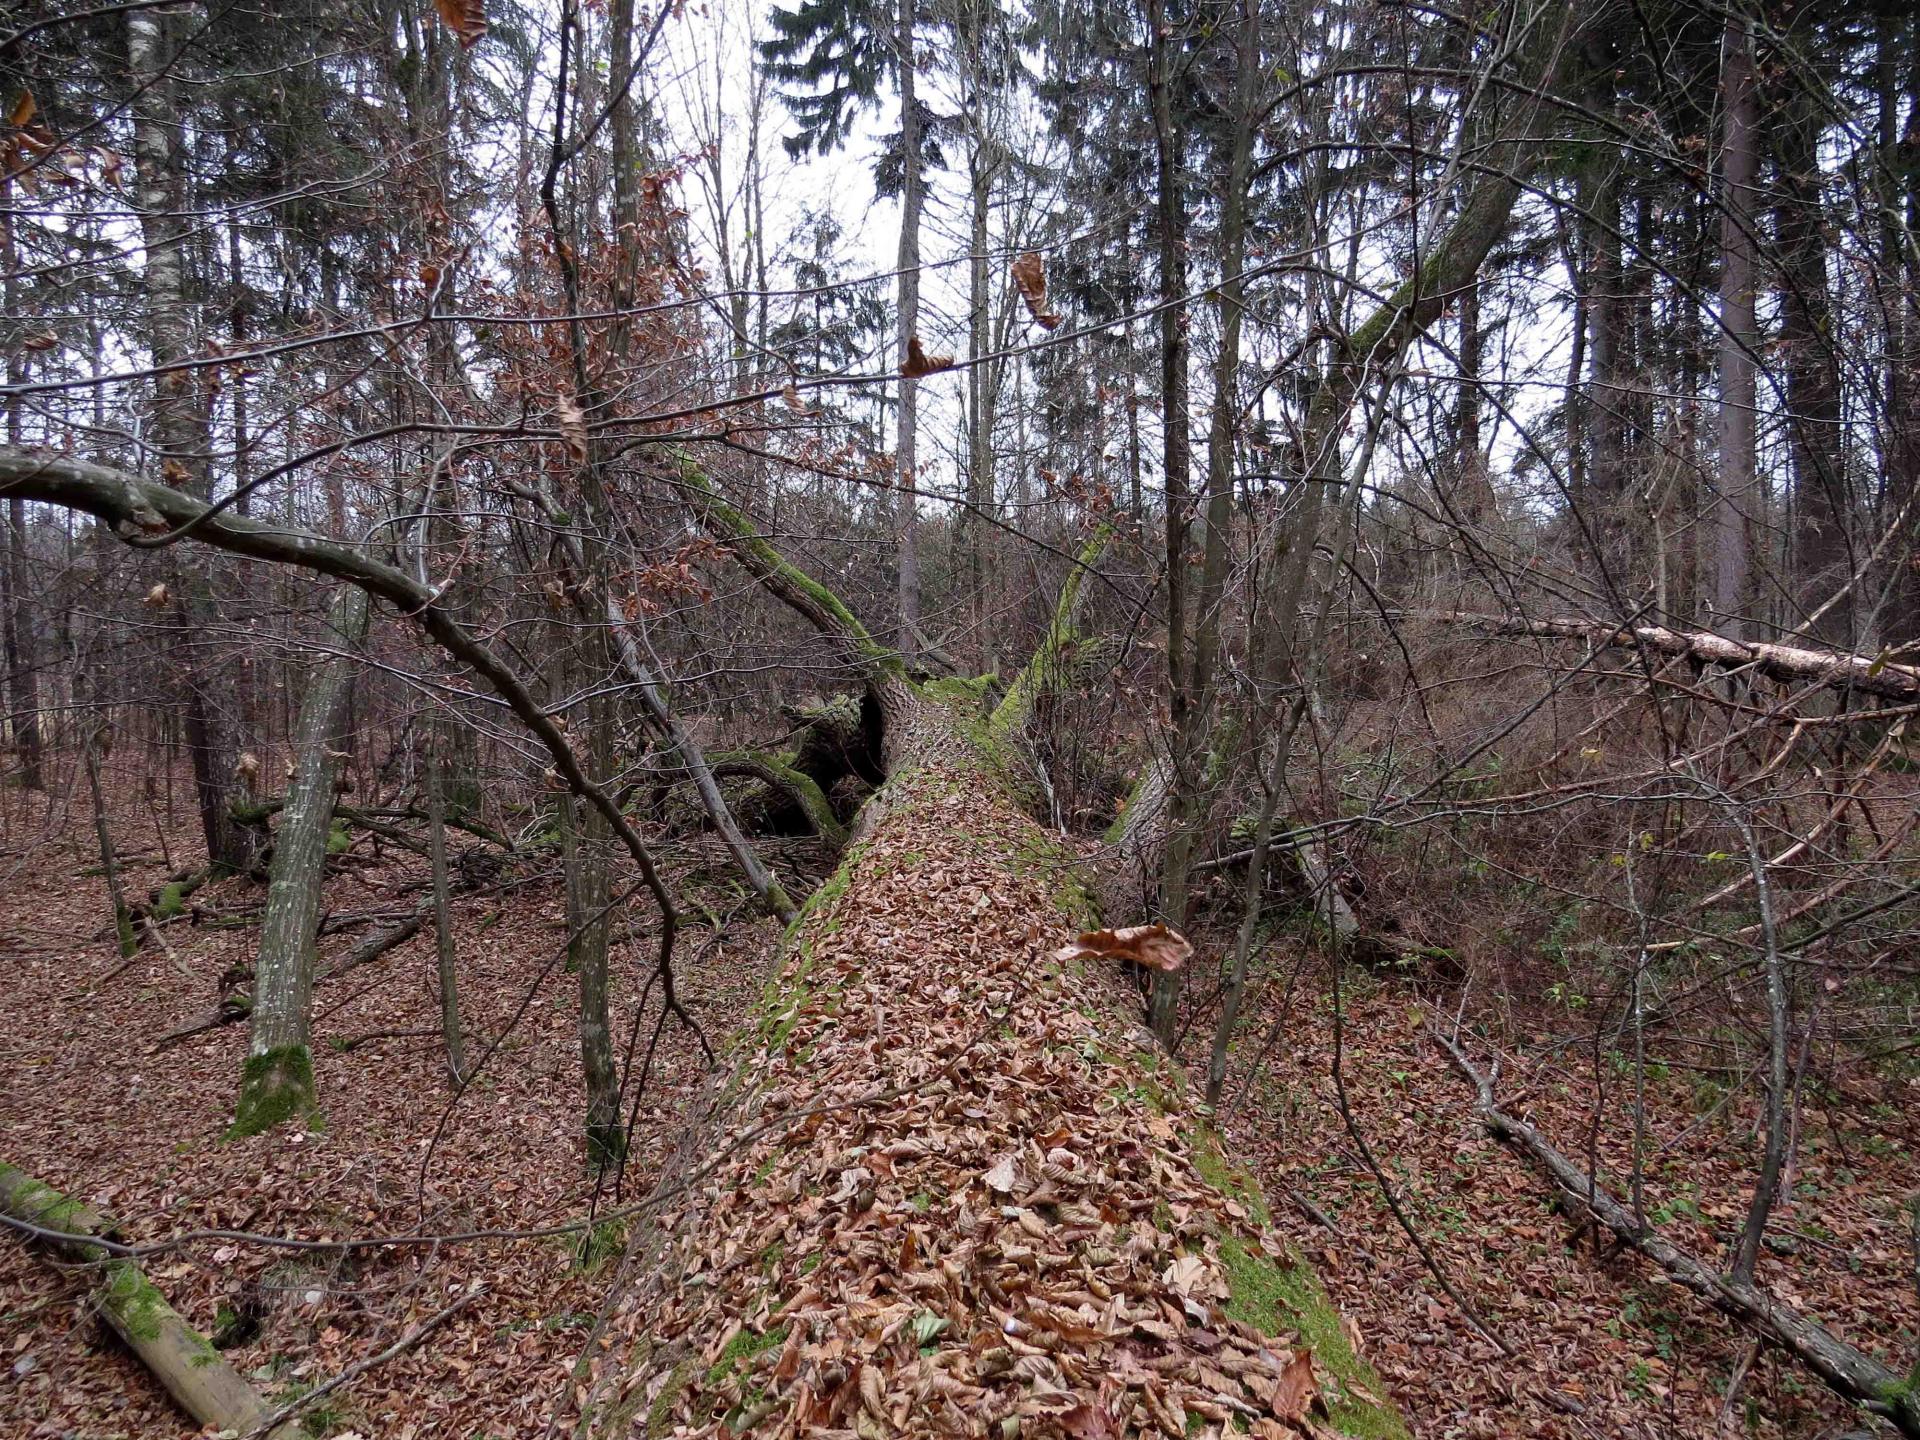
<point>950,1184</point>
<point>180,1357</point>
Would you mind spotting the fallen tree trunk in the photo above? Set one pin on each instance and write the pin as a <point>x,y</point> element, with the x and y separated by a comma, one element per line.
<point>196,1375</point>
<point>948,1183</point>
<point>1847,1371</point>
<point>1836,669</point>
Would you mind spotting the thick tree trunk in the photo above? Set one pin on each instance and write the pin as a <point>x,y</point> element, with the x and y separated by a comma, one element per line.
<point>912,198</point>
<point>950,1198</point>
<point>276,1082</point>
<point>1823,509</point>
<point>16,621</point>
<point>1176,462</point>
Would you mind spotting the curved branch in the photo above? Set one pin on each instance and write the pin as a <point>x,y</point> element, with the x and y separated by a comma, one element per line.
<point>134,508</point>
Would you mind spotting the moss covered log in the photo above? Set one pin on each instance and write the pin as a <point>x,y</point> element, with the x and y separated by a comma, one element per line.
<point>946,1183</point>
<point>948,1179</point>
<point>180,1357</point>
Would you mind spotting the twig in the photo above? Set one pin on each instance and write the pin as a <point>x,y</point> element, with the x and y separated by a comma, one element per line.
<point>360,1367</point>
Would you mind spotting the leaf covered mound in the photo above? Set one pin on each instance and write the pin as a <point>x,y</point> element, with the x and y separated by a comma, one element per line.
<point>943,1192</point>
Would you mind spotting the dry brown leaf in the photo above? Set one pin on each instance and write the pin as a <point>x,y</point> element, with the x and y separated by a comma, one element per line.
<point>1001,1176</point>
<point>1030,275</point>
<point>1297,1390</point>
<point>1158,947</point>
<point>1089,1422</point>
<point>24,109</point>
<point>920,363</point>
<point>157,597</point>
<point>466,18</point>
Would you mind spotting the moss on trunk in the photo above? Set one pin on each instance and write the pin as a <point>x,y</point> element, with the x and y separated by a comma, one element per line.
<point>276,1086</point>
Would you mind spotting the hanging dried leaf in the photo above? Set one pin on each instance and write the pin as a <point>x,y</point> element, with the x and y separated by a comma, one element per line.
<point>1030,274</point>
<point>791,394</point>
<point>573,426</point>
<point>1155,946</point>
<point>24,109</point>
<point>466,18</point>
<point>920,363</point>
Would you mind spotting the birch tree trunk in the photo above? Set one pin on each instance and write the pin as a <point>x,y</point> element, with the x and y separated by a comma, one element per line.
<point>276,1082</point>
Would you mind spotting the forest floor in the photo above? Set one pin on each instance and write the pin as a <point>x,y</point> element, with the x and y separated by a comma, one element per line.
<point>87,1106</point>
<point>1601,1346</point>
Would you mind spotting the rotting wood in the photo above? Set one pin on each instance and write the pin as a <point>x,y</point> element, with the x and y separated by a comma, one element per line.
<point>196,1375</point>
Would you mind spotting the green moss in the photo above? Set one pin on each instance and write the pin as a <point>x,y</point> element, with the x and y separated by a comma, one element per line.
<point>1278,1299</point>
<point>600,1244</point>
<point>962,692</point>
<point>1040,854</point>
<point>171,902</point>
<point>660,1413</point>
<point>275,1086</point>
<point>338,841</point>
<point>740,1353</point>
<point>137,1308</point>
<point>764,560</point>
<point>43,1204</point>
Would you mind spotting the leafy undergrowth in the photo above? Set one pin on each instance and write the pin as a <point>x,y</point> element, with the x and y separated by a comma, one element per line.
<point>1603,1346</point>
<point>951,1189</point>
<point>88,1108</point>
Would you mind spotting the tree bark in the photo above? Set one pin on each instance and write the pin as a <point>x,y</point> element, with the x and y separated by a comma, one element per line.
<point>583,846</point>
<point>912,199</point>
<point>1864,674</point>
<point>1176,462</point>
<point>276,1081</point>
<point>1739,336</point>
<point>1846,1370</point>
<point>181,435</point>
<point>446,958</point>
<point>827,1164</point>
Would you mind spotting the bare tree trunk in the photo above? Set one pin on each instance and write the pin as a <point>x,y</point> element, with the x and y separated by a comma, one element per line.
<point>276,1082</point>
<point>180,426</point>
<point>103,834</point>
<point>912,199</point>
<point>1822,532</point>
<point>16,622</point>
<point>1738,336</point>
<point>980,488</point>
<point>584,840</point>
<point>445,957</point>
<point>1176,459</point>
